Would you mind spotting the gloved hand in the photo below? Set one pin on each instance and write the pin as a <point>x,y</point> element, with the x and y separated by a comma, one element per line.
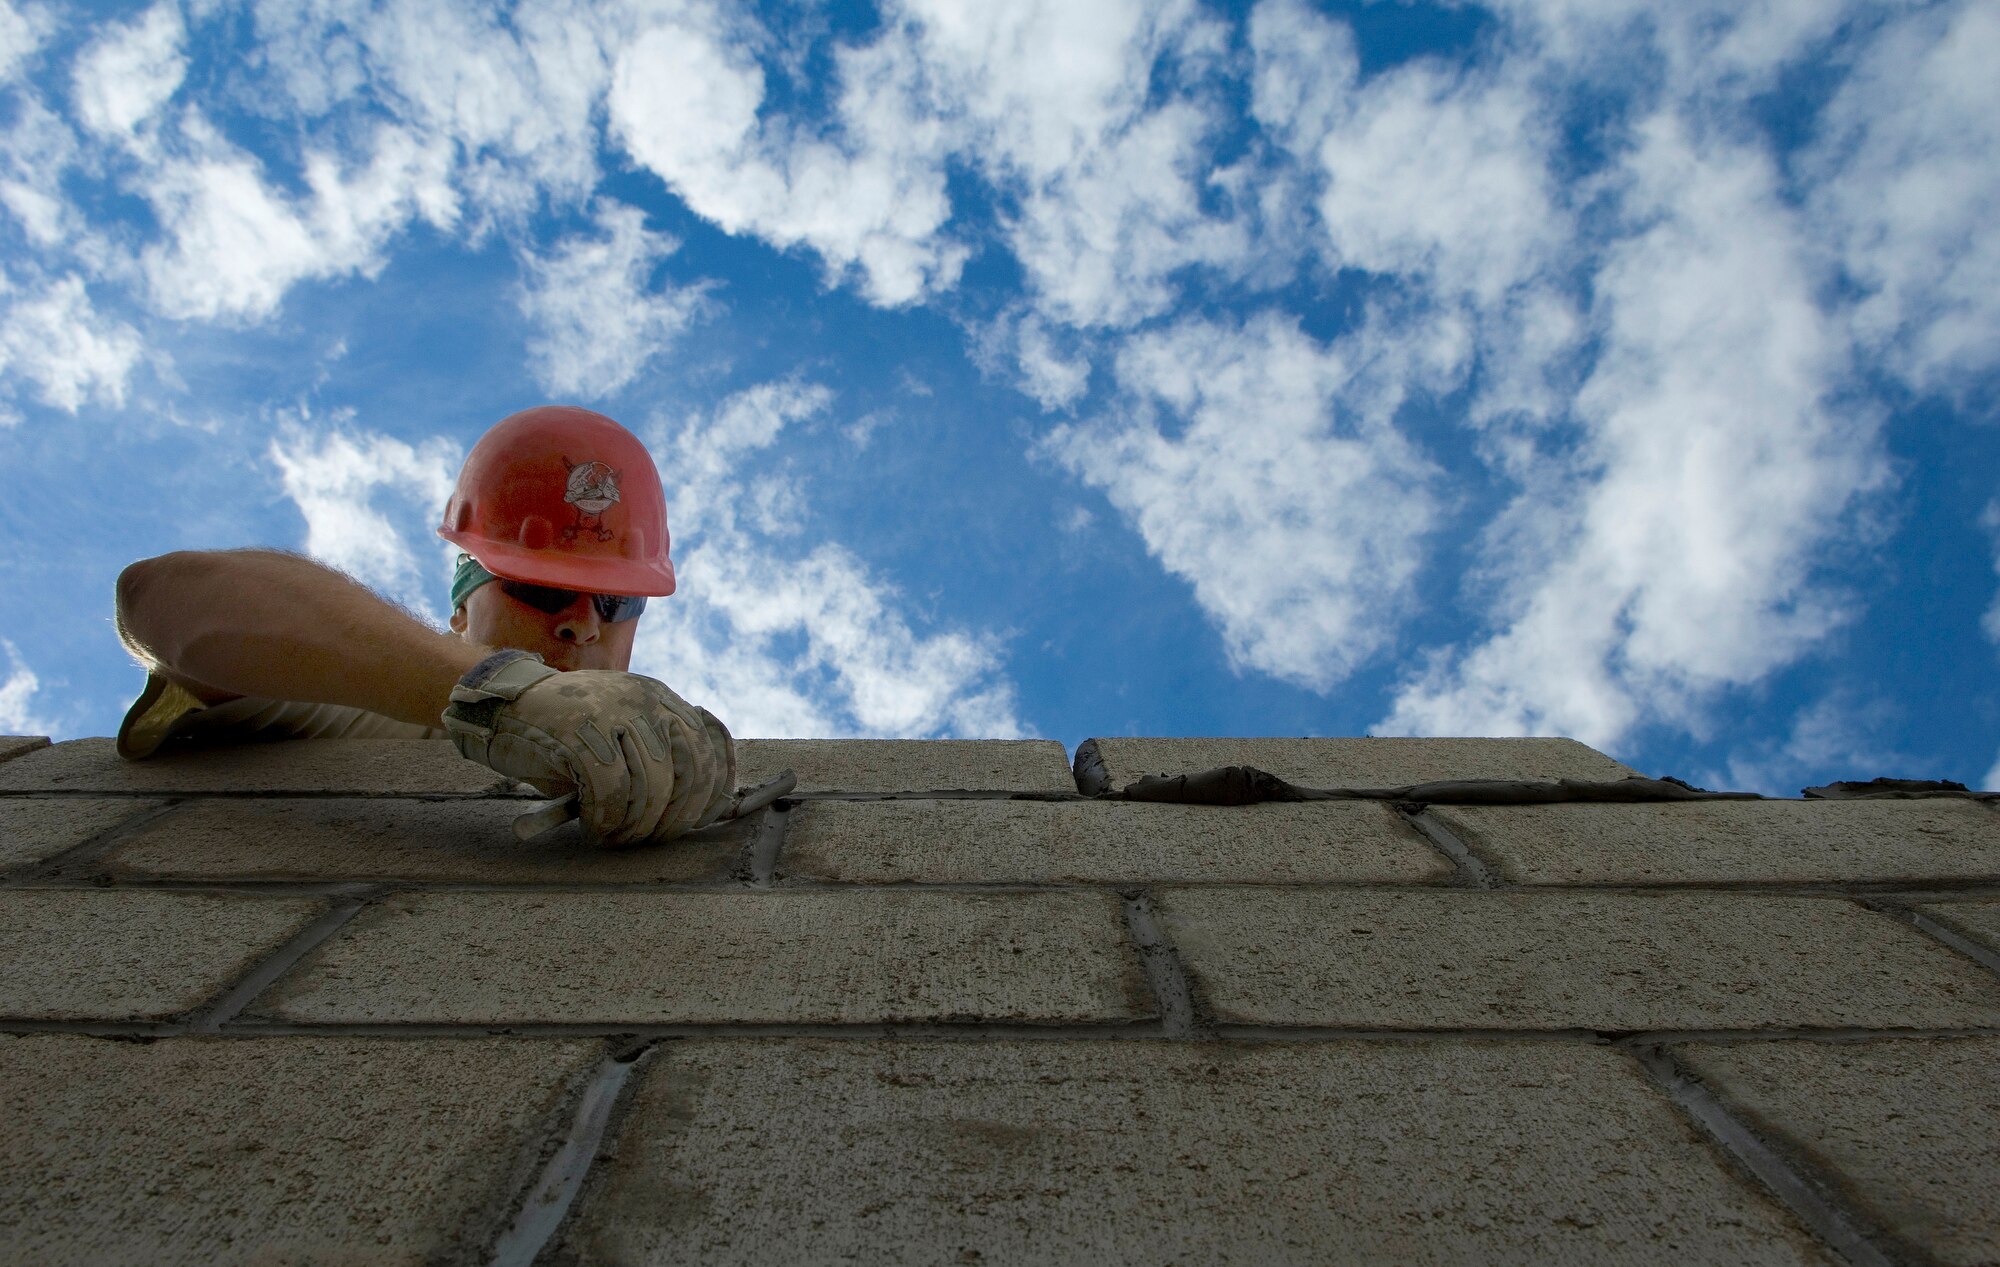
<point>643,763</point>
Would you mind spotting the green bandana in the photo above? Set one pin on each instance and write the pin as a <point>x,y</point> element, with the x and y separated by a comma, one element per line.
<point>468,577</point>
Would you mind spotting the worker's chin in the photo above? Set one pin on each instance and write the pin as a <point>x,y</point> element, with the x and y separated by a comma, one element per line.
<point>569,659</point>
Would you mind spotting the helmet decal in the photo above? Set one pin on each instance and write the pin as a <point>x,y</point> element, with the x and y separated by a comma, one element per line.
<point>593,487</point>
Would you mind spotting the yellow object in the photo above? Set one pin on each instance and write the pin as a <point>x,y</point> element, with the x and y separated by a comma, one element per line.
<point>153,716</point>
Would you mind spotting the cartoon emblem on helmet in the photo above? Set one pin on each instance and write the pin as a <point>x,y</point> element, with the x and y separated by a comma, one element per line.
<point>593,486</point>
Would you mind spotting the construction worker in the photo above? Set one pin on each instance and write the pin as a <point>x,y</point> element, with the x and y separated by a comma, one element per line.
<point>563,524</point>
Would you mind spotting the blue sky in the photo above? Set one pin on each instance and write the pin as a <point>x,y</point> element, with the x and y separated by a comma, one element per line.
<point>1581,367</point>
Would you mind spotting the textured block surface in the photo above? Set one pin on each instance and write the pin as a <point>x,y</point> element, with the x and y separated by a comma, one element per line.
<point>357,767</point>
<point>32,829</point>
<point>1909,1129</point>
<point>1720,841</point>
<point>277,1150</point>
<point>874,955</point>
<point>1135,1152</point>
<point>1612,961</point>
<point>1108,842</point>
<point>909,765</point>
<point>379,838</point>
<point>990,1082</point>
<point>1361,762</point>
<point>1978,919</point>
<point>14,745</point>
<point>102,954</point>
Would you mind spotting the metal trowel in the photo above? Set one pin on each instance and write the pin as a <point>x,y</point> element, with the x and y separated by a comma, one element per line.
<point>552,814</point>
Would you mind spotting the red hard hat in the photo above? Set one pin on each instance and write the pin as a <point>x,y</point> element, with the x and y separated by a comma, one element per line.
<point>561,496</point>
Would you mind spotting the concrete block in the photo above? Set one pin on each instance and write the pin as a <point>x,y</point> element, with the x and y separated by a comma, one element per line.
<point>355,767</point>
<point>109,954</point>
<point>1605,961</point>
<point>909,765</point>
<point>1361,762</point>
<point>799,956</point>
<point>795,1151</point>
<point>272,1150</point>
<point>1908,1129</point>
<point>1977,918</point>
<point>1722,841</point>
<point>468,841</point>
<point>35,828</point>
<point>12,746</point>
<point>1105,842</point>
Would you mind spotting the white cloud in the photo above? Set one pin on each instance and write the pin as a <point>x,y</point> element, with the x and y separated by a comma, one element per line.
<point>1045,81</point>
<point>872,203</point>
<point>1442,177</point>
<point>1054,103</point>
<point>1672,554</point>
<point>1429,172</point>
<point>1906,182</point>
<point>365,497</point>
<point>1991,783</point>
<point>861,432</point>
<point>130,71</point>
<point>1103,240</point>
<point>234,245</point>
<point>55,338</point>
<point>1830,739</point>
<point>1435,178</point>
<point>17,697</point>
<point>599,318</point>
<point>1712,50</point>
<point>515,95</point>
<point>35,151</point>
<point>1049,363</point>
<point>780,640</point>
<point>1304,72</point>
<point>23,30</point>
<point>1050,377</point>
<point>1275,484</point>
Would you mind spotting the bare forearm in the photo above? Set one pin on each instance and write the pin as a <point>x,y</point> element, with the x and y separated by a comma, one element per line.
<point>264,623</point>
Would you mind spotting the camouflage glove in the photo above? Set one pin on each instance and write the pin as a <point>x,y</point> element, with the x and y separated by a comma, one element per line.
<point>643,763</point>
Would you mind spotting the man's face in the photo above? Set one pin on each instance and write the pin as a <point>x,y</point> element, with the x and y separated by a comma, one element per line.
<point>573,638</point>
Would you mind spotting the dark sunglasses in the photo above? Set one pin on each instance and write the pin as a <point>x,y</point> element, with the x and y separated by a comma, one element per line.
<point>612,609</point>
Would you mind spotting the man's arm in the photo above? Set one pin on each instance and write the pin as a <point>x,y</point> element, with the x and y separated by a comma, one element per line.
<point>225,623</point>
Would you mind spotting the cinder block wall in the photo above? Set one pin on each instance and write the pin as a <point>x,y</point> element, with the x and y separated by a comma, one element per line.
<point>313,1002</point>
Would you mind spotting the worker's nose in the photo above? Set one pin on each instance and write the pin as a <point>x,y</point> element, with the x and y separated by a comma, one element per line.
<point>580,623</point>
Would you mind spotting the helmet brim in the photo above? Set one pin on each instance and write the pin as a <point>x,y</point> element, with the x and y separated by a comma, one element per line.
<point>595,575</point>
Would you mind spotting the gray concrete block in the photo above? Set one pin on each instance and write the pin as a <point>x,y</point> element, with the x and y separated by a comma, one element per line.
<point>799,956</point>
<point>35,828</point>
<point>909,765</point>
<point>1105,842</point>
<point>12,746</point>
<point>1607,961</point>
<point>357,767</point>
<point>468,841</point>
<point>273,1150</point>
<point>108,954</point>
<point>1721,841</point>
<point>1908,1129</point>
<point>1361,762</point>
<point>738,1152</point>
<point>1977,918</point>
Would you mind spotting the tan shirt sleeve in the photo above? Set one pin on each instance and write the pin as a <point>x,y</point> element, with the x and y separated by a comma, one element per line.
<point>164,711</point>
